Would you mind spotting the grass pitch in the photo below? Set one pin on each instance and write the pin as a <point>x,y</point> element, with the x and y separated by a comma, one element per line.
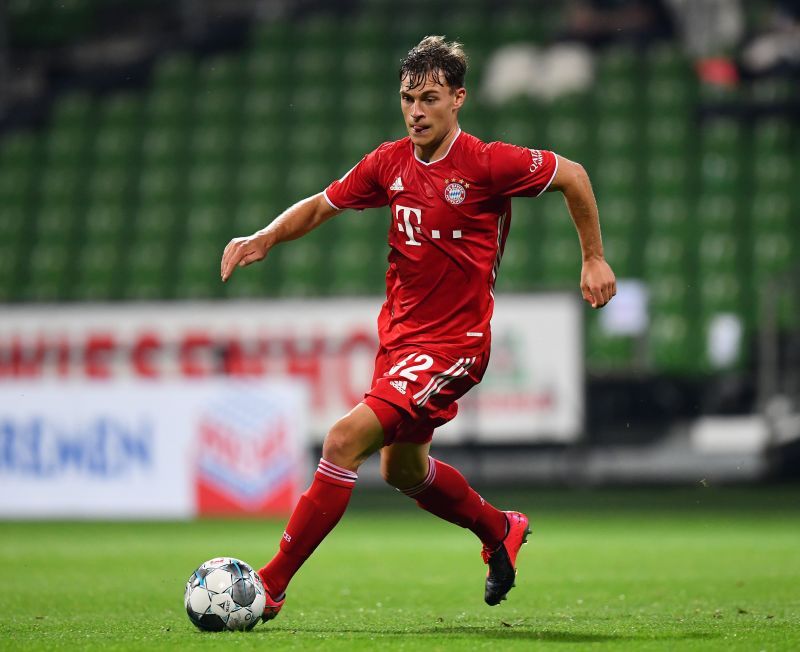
<point>691,569</point>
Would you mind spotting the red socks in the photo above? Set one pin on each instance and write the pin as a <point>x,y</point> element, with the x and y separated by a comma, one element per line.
<point>315,515</point>
<point>446,493</point>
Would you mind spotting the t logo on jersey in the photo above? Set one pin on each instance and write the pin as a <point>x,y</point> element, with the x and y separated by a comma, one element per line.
<point>404,217</point>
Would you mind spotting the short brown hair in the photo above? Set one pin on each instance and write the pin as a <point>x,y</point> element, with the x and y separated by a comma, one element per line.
<point>435,57</point>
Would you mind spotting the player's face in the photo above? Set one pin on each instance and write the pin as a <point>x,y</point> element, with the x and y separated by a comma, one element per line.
<point>430,110</point>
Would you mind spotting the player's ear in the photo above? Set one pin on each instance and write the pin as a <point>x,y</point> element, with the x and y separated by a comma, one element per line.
<point>460,96</point>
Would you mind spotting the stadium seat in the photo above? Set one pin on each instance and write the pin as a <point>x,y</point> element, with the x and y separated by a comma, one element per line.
<point>607,352</point>
<point>772,255</point>
<point>669,294</point>
<point>667,175</point>
<point>197,275</point>
<point>16,186</point>
<point>674,343</point>
<point>665,254</point>
<point>722,135</point>
<point>719,252</point>
<point>668,97</point>
<point>47,271</point>
<point>167,106</point>
<point>174,72</point>
<point>97,277</point>
<point>303,272</point>
<point>773,135</point>
<point>771,212</point>
<point>75,110</point>
<point>149,270</point>
<point>721,292</point>
<point>718,213</point>
<point>616,177</point>
<point>561,262</point>
<point>720,172</point>
<point>668,135</point>
<point>67,146</point>
<point>619,250</point>
<point>518,270</point>
<point>208,182</point>
<point>110,182</point>
<point>774,171</point>
<point>355,269</point>
<point>668,215</point>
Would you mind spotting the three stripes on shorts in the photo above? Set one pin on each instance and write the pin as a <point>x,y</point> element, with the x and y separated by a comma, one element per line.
<point>441,380</point>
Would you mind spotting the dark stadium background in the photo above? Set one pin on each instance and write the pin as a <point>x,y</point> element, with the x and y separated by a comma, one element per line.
<point>137,137</point>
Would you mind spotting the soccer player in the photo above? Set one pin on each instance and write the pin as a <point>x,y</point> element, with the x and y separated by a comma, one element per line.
<point>450,198</point>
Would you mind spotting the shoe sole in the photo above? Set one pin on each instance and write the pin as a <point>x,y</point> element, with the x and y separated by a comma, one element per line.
<point>505,595</point>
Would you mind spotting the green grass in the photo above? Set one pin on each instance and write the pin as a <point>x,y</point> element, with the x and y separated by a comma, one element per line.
<point>692,569</point>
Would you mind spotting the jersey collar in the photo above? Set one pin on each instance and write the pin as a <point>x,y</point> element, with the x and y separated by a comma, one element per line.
<point>444,156</point>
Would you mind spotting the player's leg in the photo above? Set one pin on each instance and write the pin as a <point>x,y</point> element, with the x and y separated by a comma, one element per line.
<point>441,490</point>
<point>351,440</point>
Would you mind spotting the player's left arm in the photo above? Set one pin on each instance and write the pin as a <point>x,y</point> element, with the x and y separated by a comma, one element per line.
<point>598,283</point>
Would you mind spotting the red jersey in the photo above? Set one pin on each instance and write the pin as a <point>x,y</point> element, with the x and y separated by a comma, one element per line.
<point>450,221</point>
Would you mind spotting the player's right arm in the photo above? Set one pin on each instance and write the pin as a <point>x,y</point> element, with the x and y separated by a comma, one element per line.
<point>293,223</point>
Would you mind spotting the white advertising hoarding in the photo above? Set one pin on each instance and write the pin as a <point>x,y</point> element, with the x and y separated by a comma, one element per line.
<point>145,449</point>
<point>532,392</point>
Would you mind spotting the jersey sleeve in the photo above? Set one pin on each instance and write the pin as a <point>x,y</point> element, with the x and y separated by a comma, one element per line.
<point>360,188</point>
<point>519,171</point>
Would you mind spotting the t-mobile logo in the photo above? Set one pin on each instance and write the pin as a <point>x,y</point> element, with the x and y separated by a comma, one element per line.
<point>405,216</point>
<point>409,221</point>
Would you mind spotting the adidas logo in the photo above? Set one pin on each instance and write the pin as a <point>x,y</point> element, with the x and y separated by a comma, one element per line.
<point>399,385</point>
<point>397,185</point>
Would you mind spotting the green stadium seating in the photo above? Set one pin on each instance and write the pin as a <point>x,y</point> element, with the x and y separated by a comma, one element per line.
<point>47,277</point>
<point>703,208</point>
<point>669,215</point>
<point>149,272</point>
<point>718,252</point>
<point>668,135</point>
<point>721,292</point>
<point>669,294</point>
<point>607,352</point>
<point>717,213</point>
<point>674,343</point>
<point>667,175</point>
<point>517,270</point>
<point>666,254</point>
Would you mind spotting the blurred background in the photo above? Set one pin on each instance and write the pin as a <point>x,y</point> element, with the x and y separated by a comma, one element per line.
<point>138,137</point>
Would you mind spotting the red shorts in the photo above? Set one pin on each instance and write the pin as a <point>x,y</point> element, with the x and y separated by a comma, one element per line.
<point>415,390</point>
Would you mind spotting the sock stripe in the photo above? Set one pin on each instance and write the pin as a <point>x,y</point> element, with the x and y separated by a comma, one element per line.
<point>422,486</point>
<point>337,472</point>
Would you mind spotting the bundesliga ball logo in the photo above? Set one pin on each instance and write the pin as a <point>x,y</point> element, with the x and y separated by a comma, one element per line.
<point>455,191</point>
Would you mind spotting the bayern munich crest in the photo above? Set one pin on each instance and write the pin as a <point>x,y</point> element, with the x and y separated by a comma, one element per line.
<point>455,190</point>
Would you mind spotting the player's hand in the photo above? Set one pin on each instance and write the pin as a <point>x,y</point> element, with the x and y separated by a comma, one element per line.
<point>240,252</point>
<point>598,283</point>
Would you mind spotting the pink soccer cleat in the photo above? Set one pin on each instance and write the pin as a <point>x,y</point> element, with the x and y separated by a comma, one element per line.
<point>272,607</point>
<point>501,561</point>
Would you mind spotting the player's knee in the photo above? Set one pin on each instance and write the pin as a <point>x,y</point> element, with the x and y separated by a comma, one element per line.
<point>402,474</point>
<point>345,446</point>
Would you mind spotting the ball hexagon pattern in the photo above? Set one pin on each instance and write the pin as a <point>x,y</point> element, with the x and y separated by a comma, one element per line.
<point>224,593</point>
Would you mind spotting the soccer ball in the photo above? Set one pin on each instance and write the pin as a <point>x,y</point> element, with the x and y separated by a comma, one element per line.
<point>224,593</point>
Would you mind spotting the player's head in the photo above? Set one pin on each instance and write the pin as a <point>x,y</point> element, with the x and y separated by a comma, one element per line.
<point>432,88</point>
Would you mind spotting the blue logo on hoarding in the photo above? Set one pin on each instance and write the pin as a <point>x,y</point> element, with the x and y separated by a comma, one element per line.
<point>103,447</point>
